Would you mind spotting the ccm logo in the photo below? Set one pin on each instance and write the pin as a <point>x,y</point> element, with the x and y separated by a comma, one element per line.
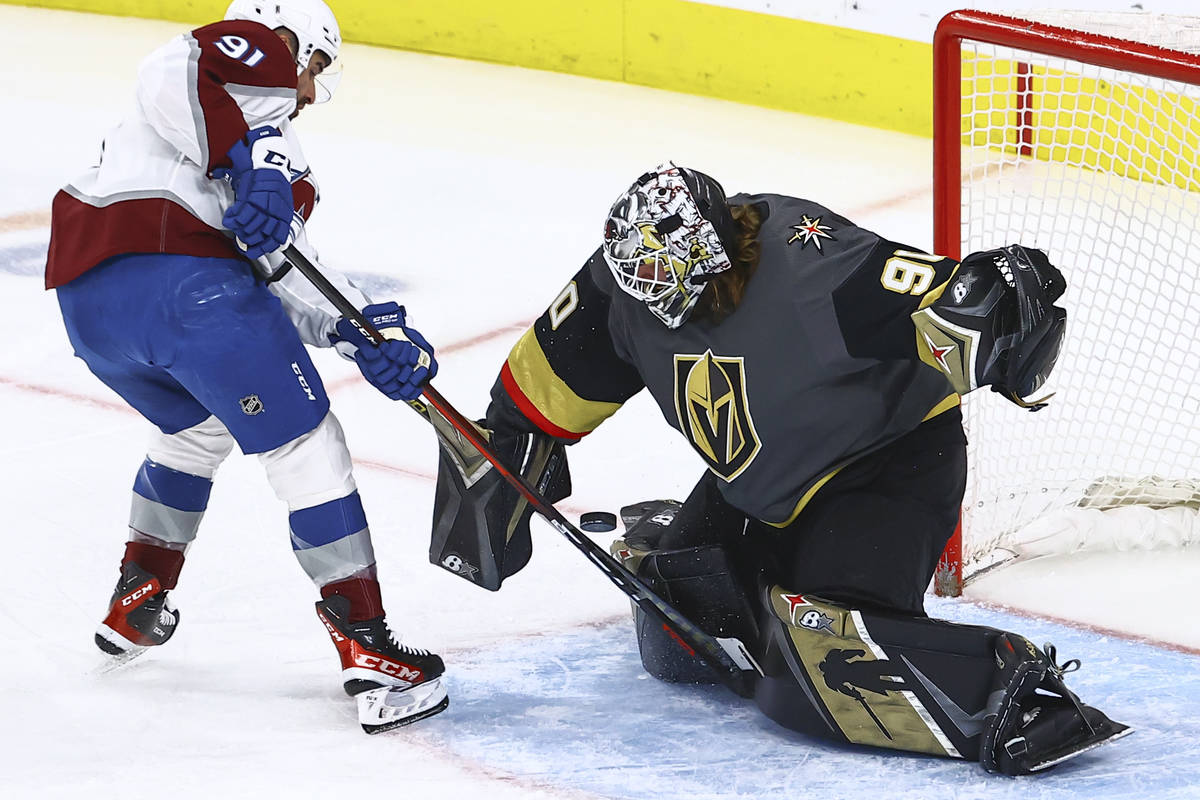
<point>387,667</point>
<point>137,594</point>
<point>333,632</point>
<point>303,382</point>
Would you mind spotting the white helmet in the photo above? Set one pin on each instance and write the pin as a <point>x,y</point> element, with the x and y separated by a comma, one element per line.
<point>313,24</point>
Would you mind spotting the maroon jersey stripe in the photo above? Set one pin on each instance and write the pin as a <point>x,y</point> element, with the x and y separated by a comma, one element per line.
<point>304,197</point>
<point>237,52</point>
<point>82,236</point>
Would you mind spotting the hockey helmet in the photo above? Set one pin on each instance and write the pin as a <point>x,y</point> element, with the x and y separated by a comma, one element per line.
<point>666,237</point>
<point>314,26</point>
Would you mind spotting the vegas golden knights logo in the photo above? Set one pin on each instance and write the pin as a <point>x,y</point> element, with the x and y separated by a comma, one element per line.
<point>714,414</point>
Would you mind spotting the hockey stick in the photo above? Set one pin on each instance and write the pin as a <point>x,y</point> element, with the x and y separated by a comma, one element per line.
<point>727,657</point>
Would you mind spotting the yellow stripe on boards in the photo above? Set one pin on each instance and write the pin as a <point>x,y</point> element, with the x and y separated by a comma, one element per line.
<point>780,62</point>
<point>771,61</point>
<point>703,49</point>
<point>195,12</point>
<point>581,37</point>
<point>1123,128</point>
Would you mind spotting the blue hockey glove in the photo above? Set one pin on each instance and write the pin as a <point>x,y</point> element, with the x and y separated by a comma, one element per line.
<point>262,211</point>
<point>400,366</point>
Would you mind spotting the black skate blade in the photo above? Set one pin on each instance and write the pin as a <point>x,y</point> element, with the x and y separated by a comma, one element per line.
<point>1119,731</point>
<point>400,723</point>
<point>390,707</point>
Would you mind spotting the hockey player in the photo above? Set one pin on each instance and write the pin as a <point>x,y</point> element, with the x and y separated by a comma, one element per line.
<point>166,258</point>
<point>816,368</point>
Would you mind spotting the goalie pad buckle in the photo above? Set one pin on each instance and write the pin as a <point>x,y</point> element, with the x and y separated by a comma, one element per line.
<point>1033,720</point>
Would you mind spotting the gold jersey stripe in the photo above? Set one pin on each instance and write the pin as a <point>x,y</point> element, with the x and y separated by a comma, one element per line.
<point>923,351</point>
<point>945,405</point>
<point>549,393</point>
<point>950,402</point>
<point>812,490</point>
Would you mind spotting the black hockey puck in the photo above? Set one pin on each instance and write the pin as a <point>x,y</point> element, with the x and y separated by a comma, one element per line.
<point>598,521</point>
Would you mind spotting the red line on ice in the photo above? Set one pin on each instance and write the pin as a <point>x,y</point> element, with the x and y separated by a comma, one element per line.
<point>1086,626</point>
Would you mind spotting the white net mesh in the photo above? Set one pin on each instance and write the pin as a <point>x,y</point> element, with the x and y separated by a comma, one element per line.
<point>1161,30</point>
<point>1101,169</point>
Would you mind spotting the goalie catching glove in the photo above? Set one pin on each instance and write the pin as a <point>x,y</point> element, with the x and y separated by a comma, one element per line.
<point>480,521</point>
<point>995,324</point>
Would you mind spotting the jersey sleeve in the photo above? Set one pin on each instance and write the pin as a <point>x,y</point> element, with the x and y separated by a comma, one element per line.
<point>564,377</point>
<point>875,302</point>
<point>313,315</point>
<point>203,91</point>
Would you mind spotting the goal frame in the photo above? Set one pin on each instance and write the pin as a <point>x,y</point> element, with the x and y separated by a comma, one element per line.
<point>1006,31</point>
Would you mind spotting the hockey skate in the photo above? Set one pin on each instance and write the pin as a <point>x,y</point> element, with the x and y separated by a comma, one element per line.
<point>140,615</point>
<point>394,685</point>
<point>1033,720</point>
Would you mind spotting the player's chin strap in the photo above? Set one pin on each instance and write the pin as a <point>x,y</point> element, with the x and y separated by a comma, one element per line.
<point>725,657</point>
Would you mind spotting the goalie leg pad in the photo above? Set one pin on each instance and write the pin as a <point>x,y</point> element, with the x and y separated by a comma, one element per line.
<point>699,582</point>
<point>645,524</point>
<point>826,673</point>
<point>1034,721</point>
<point>922,685</point>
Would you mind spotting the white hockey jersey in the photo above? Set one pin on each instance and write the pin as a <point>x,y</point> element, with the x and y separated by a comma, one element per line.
<point>153,190</point>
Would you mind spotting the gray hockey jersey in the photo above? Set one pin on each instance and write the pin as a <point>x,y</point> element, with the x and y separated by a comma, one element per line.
<point>817,366</point>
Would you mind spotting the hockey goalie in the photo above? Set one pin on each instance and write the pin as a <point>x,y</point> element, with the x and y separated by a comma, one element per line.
<point>816,369</point>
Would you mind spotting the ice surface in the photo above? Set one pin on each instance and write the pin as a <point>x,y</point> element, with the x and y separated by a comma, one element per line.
<point>584,702</point>
<point>471,193</point>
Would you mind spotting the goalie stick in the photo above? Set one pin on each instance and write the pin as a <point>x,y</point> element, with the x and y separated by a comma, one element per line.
<point>728,657</point>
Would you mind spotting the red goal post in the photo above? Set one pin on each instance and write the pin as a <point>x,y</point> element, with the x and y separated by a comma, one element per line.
<point>1064,137</point>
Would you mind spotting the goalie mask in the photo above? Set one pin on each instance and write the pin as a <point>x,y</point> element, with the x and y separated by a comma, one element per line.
<point>666,237</point>
<point>311,22</point>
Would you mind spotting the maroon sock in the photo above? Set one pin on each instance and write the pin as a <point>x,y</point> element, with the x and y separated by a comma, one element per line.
<point>160,562</point>
<point>363,594</point>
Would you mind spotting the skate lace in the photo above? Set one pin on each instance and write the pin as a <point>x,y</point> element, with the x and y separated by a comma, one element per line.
<point>1059,669</point>
<point>403,648</point>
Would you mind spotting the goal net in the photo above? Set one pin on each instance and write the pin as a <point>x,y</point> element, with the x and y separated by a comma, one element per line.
<point>1052,132</point>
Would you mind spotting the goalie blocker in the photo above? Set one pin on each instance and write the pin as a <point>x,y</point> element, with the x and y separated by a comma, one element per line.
<point>480,521</point>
